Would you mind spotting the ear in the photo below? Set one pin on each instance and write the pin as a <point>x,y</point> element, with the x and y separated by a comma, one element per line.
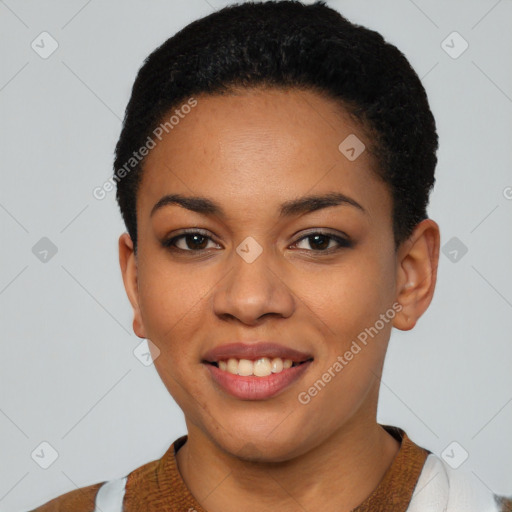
<point>417,261</point>
<point>128,263</point>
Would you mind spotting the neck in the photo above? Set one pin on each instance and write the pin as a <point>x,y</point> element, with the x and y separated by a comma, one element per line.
<point>337,474</point>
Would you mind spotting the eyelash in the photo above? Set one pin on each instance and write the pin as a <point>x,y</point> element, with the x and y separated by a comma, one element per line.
<point>343,242</point>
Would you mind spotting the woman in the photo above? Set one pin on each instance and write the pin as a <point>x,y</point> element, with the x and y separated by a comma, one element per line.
<point>273,173</point>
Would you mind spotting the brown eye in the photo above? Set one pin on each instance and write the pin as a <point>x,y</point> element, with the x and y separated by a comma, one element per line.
<point>193,241</point>
<point>322,242</point>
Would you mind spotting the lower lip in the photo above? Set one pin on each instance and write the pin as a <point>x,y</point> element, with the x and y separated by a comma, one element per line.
<point>256,388</point>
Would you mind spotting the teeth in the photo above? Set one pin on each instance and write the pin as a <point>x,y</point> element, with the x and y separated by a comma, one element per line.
<point>245,367</point>
<point>277,365</point>
<point>232,366</point>
<point>260,367</point>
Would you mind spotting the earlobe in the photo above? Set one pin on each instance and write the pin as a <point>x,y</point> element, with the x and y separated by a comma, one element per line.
<point>417,261</point>
<point>128,263</point>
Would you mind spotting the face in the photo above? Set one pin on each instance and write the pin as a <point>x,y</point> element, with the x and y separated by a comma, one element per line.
<point>259,264</point>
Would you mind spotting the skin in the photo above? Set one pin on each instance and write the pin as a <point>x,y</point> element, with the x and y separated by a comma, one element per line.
<point>250,151</point>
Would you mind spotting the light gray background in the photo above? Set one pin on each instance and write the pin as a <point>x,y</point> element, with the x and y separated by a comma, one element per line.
<point>68,373</point>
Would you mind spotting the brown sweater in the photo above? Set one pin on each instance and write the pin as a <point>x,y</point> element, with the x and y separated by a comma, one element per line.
<point>158,485</point>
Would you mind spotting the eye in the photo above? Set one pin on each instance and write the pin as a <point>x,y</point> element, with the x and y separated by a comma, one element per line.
<point>197,241</point>
<point>189,241</point>
<point>321,242</point>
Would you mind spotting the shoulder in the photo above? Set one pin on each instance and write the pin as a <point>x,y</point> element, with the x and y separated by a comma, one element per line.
<point>110,495</point>
<point>444,489</point>
<point>79,500</point>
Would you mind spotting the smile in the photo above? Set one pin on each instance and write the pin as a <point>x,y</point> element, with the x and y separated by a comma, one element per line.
<point>256,379</point>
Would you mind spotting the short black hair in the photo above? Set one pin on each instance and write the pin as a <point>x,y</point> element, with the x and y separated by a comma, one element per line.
<point>287,44</point>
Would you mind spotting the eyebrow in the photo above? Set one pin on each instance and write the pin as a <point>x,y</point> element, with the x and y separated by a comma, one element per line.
<point>302,205</point>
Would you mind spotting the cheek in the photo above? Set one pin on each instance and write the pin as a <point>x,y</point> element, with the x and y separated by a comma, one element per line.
<point>172,306</point>
<point>350,301</point>
<point>351,297</point>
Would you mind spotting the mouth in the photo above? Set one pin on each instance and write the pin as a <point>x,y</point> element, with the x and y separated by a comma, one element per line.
<point>261,367</point>
<point>257,371</point>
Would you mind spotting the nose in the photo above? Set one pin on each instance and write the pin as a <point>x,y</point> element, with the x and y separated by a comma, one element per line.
<point>252,289</point>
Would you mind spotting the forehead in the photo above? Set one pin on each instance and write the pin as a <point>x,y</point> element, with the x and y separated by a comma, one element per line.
<point>253,147</point>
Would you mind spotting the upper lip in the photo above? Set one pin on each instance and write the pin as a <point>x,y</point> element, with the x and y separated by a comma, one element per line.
<point>254,350</point>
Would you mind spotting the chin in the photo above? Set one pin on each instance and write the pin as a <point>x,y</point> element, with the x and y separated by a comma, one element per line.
<point>259,446</point>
